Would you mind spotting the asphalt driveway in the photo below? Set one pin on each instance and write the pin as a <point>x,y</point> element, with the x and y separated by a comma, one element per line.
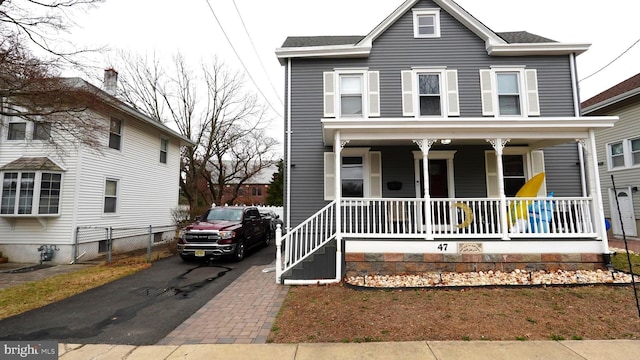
<point>140,309</point>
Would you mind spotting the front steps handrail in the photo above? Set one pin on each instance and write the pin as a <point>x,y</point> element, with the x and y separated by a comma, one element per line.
<point>303,240</point>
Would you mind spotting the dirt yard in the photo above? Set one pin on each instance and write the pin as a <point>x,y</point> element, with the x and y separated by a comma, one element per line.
<point>337,313</point>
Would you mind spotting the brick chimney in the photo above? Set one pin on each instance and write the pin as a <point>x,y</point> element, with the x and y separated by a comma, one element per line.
<point>110,81</point>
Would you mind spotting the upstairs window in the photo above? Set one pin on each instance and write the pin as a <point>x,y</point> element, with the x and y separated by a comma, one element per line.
<point>41,131</point>
<point>351,93</point>
<point>509,91</point>
<point>17,131</point>
<point>115,134</point>
<point>426,23</point>
<point>164,148</point>
<point>430,92</point>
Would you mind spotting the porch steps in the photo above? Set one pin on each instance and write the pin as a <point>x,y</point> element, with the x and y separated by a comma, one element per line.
<point>319,265</point>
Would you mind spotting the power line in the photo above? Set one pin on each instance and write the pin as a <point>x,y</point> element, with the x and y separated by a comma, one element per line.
<point>241,62</point>
<point>612,61</point>
<point>256,52</point>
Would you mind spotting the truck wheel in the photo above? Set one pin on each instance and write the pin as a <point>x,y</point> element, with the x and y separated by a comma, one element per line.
<point>239,254</point>
<point>267,239</point>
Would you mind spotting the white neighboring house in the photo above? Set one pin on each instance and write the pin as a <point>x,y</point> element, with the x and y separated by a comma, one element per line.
<point>133,181</point>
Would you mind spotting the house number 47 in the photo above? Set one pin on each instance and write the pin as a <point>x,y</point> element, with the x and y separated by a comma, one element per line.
<point>442,247</point>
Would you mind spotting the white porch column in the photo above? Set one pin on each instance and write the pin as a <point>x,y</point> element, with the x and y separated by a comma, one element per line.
<point>595,191</point>
<point>338,145</point>
<point>425,146</point>
<point>498,145</point>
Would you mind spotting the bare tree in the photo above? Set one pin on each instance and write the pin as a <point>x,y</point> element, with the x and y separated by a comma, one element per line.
<point>211,107</point>
<point>30,86</point>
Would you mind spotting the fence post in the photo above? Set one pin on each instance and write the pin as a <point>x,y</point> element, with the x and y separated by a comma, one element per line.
<point>75,245</point>
<point>149,244</point>
<point>109,243</point>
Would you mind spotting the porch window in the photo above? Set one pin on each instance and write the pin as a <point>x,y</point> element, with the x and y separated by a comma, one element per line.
<point>115,134</point>
<point>426,23</point>
<point>509,91</point>
<point>352,176</point>
<point>360,174</point>
<point>30,193</point>
<point>514,176</point>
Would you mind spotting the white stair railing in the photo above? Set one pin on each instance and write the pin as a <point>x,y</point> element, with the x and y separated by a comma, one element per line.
<point>303,240</point>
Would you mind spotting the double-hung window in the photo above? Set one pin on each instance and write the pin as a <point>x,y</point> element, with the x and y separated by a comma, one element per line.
<point>426,23</point>
<point>164,148</point>
<point>360,174</point>
<point>351,92</point>
<point>115,134</point>
<point>519,164</point>
<point>30,193</point>
<point>624,153</point>
<point>111,196</point>
<point>514,174</point>
<point>430,92</point>
<point>17,131</point>
<point>41,131</point>
<point>509,91</point>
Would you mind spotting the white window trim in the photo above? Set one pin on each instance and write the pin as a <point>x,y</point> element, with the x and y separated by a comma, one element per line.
<point>626,153</point>
<point>121,135</point>
<point>444,105</point>
<point>421,12</point>
<point>104,196</point>
<point>528,90</point>
<point>35,205</point>
<point>529,170</point>
<point>27,129</point>
<point>166,158</point>
<point>362,73</point>
<point>366,171</point>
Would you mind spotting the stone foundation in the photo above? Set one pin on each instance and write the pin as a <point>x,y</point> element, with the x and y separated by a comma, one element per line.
<point>410,263</point>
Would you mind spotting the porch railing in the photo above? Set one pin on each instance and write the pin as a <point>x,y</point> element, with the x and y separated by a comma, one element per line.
<point>303,240</point>
<point>467,217</point>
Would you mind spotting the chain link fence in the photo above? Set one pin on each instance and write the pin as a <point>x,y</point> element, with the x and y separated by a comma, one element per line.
<point>99,242</point>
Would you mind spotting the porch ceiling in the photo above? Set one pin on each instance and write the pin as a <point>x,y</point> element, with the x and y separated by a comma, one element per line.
<point>536,132</point>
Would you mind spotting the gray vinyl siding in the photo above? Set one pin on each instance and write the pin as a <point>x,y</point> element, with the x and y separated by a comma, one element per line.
<point>562,170</point>
<point>396,50</point>
<point>626,128</point>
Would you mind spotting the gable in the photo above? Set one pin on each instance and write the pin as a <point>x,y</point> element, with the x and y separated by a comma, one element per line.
<point>519,43</point>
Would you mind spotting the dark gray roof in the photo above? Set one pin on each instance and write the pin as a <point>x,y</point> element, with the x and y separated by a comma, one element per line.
<point>511,37</point>
<point>32,163</point>
<point>523,37</point>
<point>304,41</point>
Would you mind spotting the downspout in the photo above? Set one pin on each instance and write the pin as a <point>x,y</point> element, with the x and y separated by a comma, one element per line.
<point>577,113</point>
<point>74,221</point>
<point>288,134</point>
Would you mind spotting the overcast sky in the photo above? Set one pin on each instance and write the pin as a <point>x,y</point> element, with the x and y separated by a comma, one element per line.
<point>189,26</point>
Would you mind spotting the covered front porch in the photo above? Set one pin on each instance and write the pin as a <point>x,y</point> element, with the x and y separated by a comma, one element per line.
<point>435,217</point>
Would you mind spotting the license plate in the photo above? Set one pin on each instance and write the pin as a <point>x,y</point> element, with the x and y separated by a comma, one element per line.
<point>199,252</point>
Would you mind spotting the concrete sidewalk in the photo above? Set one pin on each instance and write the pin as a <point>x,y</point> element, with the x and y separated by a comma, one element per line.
<point>439,350</point>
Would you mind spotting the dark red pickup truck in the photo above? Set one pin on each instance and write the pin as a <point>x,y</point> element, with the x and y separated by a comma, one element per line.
<point>224,231</point>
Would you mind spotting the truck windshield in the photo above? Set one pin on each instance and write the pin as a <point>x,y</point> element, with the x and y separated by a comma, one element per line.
<point>225,214</point>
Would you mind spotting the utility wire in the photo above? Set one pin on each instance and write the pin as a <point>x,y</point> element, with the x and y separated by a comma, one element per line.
<point>241,62</point>
<point>256,52</point>
<point>612,61</point>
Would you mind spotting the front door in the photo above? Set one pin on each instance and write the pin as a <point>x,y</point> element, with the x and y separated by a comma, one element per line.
<point>438,179</point>
<point>628,221</point>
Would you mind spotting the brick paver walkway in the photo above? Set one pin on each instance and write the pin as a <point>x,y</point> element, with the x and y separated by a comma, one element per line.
<point>242,313</point>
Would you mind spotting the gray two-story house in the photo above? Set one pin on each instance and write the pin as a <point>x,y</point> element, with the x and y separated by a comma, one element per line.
<point>436,144</point>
